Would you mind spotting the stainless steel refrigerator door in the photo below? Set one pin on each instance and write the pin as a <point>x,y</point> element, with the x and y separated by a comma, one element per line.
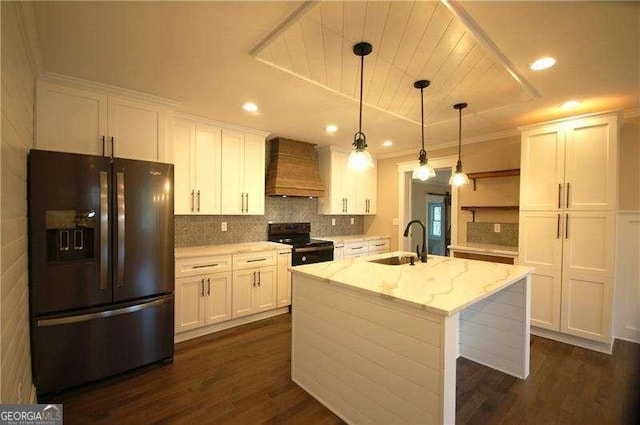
<point>142,240</point>
<point>69,231</point>
<point>101,342</point>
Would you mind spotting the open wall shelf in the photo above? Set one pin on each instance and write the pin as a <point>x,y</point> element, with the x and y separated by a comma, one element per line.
<point>475,208</point>
<point>497,173</point>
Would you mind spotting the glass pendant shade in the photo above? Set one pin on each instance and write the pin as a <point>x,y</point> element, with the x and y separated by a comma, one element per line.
<point>360,160</point>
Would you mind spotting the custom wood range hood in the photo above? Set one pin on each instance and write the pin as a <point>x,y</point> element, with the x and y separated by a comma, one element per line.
<point>293,169</point>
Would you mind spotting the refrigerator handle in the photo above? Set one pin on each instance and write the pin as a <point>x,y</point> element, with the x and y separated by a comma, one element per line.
<point>104,229</point>
<point>120,233</point>
<point>113,146</point>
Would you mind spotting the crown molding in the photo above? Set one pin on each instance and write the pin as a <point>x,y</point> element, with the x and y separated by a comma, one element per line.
<point>107,89</point>
<point>203,120</point>
<point>27,27</point>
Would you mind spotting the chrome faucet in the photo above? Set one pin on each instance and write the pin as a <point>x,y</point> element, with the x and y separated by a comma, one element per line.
<point>422,255</point>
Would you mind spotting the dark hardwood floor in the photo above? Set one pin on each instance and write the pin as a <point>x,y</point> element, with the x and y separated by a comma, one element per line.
<point>242,376</point>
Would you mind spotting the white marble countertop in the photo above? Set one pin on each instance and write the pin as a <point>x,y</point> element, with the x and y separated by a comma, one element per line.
<point>226,249</point>
<point>511,251</point>
<point>442,286</point>
<point>351,238</point>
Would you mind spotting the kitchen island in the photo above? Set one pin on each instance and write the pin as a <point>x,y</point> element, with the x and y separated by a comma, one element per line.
<point>377,343</point>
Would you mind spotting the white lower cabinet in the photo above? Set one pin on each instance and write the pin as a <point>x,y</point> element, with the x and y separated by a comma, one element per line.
<point>202,300</point>
<point>379,246</point>
<point>254,290</point>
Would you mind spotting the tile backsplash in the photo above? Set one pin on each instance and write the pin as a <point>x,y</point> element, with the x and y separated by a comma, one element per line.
<point>197,230</point>
<point>483,233</point>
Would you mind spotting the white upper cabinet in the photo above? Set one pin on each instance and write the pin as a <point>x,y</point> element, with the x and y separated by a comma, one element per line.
<point>196,156</point>
<point>346,191</point>
<point>78,116</point>
<point>243,170</point>
<point>570,165</point>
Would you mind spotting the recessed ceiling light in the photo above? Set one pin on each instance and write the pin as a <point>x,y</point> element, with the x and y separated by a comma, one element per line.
<point>542,63</point>
<point>331,128</point>
<point>250,107</point>
<point>571,104</point>
<point>387,143</point>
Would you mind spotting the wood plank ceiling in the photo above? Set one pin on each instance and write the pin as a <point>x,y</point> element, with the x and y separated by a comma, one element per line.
<point>411,41</point>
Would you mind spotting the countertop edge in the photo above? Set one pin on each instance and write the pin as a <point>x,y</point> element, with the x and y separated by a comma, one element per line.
<point>229,249</point>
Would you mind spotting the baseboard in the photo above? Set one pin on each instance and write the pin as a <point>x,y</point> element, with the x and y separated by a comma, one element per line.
<point>195,333</point>
<point>602,347</point>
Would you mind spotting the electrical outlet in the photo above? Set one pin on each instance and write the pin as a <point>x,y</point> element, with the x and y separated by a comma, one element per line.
<point>353,220</point>
<point>333,221</point>
<point>223,226</point>
<point>496,227</point>
<point>395,222</point>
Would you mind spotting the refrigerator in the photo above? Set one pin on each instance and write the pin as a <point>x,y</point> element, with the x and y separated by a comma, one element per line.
<point>101,266</point>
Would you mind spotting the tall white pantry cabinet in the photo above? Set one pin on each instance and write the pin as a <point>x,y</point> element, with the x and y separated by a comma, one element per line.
<point>568,198</point>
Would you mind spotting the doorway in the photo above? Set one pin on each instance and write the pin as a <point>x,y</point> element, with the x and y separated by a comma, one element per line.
<point>414,197</point>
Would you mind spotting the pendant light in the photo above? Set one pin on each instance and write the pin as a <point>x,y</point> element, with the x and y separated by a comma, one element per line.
<point>424,170</point>
<point>459,177</point>
<point>359,158</point>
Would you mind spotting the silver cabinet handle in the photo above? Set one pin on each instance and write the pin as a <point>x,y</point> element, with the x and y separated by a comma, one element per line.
<point>201,266</point>
<point>566,227</point>
<point>103,148</point>
<point>104,229</point>
<point>198,201</point>
<point>568,187</point>
<point>202,288</point>
<point>247,205</point>
<point>113,146</point>
<point>254,279</point>
<point>120,199</point>
<point>255,260</point>
<point>192,201</point>
<point>259,278</point>
<point>208,286</point>
<point>558,228</point>
<point>559,196</point>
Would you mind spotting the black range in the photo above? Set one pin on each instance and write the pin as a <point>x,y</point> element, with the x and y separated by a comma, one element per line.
<point>304,249</point>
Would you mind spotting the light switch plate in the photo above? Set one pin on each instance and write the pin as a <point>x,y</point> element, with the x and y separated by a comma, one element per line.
<point>353,220</point>
<point>223,226</point>
<point>333,221</point>
<point>496,227</point>
<point>395,222</point>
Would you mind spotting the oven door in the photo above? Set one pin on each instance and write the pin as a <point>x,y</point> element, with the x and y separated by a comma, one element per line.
<point>311,254</point>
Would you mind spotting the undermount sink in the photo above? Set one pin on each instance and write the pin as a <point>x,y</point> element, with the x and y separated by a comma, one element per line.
<point>395,261</point>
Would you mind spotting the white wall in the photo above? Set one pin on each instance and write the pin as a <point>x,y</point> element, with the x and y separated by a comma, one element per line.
<point>20,64</point>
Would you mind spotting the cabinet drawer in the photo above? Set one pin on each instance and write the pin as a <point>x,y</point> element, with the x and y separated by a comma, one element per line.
<point>255,259</point>
<point>379,246</point>
<point>202,265</point>
<point>354,249</point>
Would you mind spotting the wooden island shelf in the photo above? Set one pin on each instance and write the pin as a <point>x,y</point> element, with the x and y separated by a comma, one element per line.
<point>496,173</point>
<point>475,208</point>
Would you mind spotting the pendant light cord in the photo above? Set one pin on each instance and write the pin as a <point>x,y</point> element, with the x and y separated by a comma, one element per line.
<point>361,78</point>
<point>422,114</point>
<point>459,132</point>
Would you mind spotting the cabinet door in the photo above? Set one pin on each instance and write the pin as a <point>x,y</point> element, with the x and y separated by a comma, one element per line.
<point>264,294</point>
<point>70,120</point>
<point>541,247</point>
<point>586,307</point>
<point>338,253</point>
<point>232,168</point>
<point>590,164</point>
<point>542,169</point>
<point>284,279</point>
<point>135,128</point>
<point>189,303</point>
<point>207,169</point>
<point>244,282</point>
<point>183,171</point>
<point>218,298</point>
<point>366,190</point>
<point>348,185</point>
<point>254,166</point>
<point>588,243</point>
